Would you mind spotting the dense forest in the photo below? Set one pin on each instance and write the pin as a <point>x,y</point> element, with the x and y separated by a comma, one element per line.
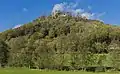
<point>61,42</point>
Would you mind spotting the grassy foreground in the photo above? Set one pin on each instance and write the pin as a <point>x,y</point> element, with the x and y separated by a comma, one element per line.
<point>28,71</point>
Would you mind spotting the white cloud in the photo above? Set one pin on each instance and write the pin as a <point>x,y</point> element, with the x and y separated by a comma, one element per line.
<point>65,7</point>
<point>25,9</point>
<point>74,5</point>
<point>101,14</point>
<point>74,10</point>
<point>98,16</point>
<point>58,7</point>
<point>88,15</point>
<point>17,26</point>
<point>89,7</point>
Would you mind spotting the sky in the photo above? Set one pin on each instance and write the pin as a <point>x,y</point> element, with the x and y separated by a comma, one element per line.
<point>14,13</point>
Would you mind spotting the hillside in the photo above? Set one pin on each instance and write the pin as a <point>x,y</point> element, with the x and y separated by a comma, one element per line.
<point>61,42</point>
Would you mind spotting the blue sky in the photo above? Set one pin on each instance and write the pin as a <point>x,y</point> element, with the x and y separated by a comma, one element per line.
<point>15,12</point>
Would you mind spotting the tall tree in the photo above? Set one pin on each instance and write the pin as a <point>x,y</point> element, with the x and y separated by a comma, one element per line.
<point>3,53</point>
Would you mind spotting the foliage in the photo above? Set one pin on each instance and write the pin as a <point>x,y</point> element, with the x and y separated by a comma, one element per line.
<point>3,53</point>
<point>62,43</point>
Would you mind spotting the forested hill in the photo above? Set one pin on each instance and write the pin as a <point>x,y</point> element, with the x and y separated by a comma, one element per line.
<point>57,41</point>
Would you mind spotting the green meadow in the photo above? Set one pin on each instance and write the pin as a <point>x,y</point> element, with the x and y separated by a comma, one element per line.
<point>32,71</point>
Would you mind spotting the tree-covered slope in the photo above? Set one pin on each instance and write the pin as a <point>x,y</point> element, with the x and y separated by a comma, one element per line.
<point>58,41</point>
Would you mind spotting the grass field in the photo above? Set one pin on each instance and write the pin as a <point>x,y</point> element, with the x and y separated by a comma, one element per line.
<point>28,71</point>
